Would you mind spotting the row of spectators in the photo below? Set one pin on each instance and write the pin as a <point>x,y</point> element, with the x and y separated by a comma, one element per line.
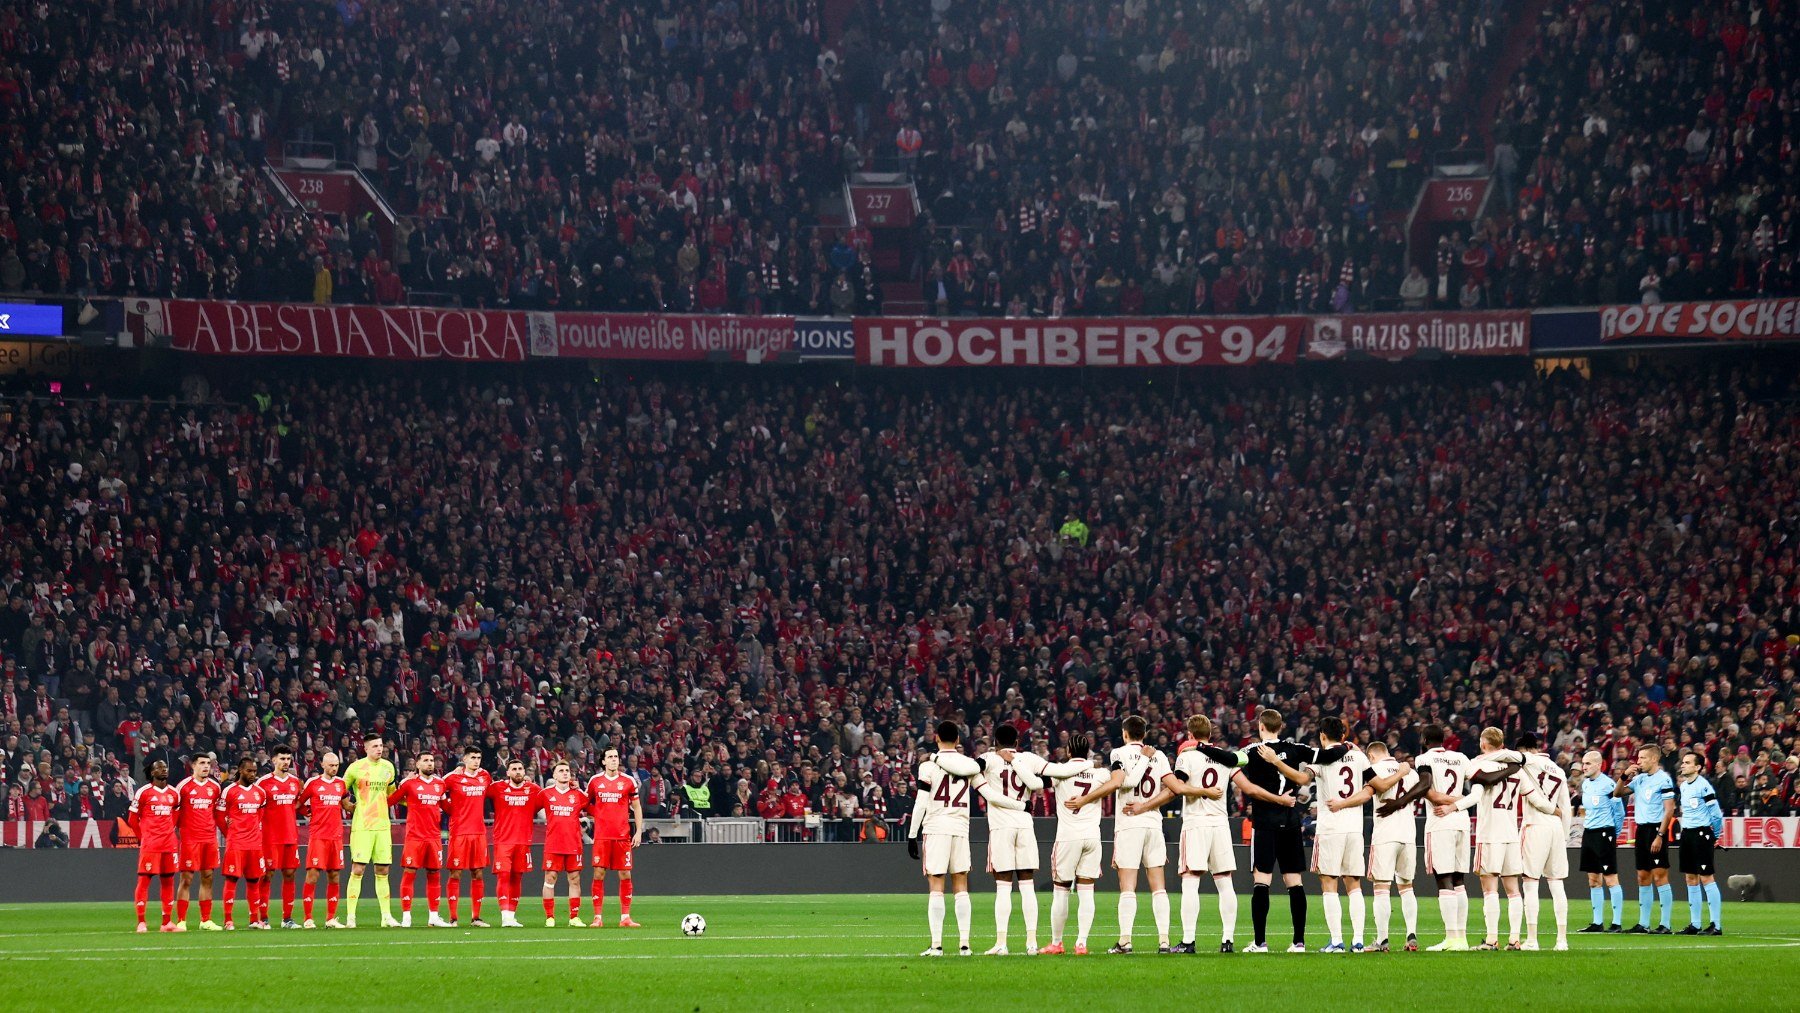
<point>1073,157</point>
<point>748,581</point>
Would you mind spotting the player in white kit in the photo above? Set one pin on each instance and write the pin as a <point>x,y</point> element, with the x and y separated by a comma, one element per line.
<point>1012,839</point>
<point>1443,776</point>
<point>1497,858</point>
<point>1549,817</point>
<point>938,833</point>
<point>1339,855</point>
<point>1393,847</point>
<point>1075,854</point>
<point>1137,839</point>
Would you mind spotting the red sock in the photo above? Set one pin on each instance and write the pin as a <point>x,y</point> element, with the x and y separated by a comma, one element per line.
<point>476,888</point>
<point>287,898</point>
<point>331,899</point>
<point>307,894</point>
<point>451,896</point>
<point>168,899</point>
<point>575,909</point>
<point>549,907</point>
<point>142,897</point>
<point>433,882</point>
<point>181,908</point>
<point>230,896</point>
<point>206,909</point>
<point>515,886</point>
<point>599,894</point>
<point>259,900</point>
<point>624,898</point>
<point>406,892</point>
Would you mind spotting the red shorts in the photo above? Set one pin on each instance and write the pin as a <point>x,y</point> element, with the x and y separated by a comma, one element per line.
<point>422,855</point>
<point>468,851</point>
<point>157,863</point>
<point>200,855</point>
<point>614,855</point>
<point>282,856</point>
<point>512,858</point>
<point>326,856</point>
<point>562,863</point>
<point>244,865</point>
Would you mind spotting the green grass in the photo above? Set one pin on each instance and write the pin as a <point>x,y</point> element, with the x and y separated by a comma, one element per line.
<point>850,952</point>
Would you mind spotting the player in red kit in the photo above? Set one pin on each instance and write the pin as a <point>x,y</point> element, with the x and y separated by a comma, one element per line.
<point>281,830</point>
<point>423,795</point>
<point>241,817</point>
<point>515,803</point>
<point>562,804</point>
<point>466,797</point>
<point>613,798</point>
<point>155,810</point>
<point>322,799</point>
<point>199,829</point>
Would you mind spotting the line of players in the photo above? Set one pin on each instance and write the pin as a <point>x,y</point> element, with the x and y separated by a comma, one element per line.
<point>1520,797</point>
<point>179,826</point>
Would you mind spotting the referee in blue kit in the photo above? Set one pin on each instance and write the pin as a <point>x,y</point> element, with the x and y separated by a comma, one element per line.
<point>1602,815</point>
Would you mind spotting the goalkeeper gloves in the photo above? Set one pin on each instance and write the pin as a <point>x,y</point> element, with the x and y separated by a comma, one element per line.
<point>912,848</point>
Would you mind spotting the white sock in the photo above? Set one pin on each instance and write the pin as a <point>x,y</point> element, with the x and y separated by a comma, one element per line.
<point>1059,914</point>
<point>934,916</point>
<point>1531,910</point>
<point>1159,909</point>
<point>1190,908</point>
<point>1559,903</point>
<point>1358,914</point>
<point>1227,906</point>
<point>1409,910</point>
<point>1384,914</point>
<point>1002,910</point>
<point>964,915</point>
<point>1447,911</point>
<point>1028,910</point>
<point>1515,908</point>
<point>1334,916</point>
<point>1462,913</point>
<point>1490,915</point>
<point>1127,915</point>
<point>1084,912</point>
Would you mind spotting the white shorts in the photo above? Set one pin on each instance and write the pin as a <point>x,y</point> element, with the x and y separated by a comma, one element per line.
<point>1339,855</point>
<point>1501,858</point>
<point>1206,849</point>
<point>1012,850</point>
<point>1393,862</point>
<point>1544,852</point>
<point>1073,860</point>
<point>1139,848</point>
<point>945,855</point>
<point>1446,851</point>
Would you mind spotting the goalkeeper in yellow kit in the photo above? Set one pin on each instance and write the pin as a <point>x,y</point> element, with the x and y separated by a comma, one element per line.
<point>368,781</point>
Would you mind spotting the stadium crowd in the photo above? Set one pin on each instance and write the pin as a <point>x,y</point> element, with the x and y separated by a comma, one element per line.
<point>765,589</point>
<point>1072,157</point>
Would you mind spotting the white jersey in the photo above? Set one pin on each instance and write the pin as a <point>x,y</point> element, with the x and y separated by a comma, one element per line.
<point>1074,779</point>
<point>1450,775</point>
<point>1143,779</point>
<point>1015,781</point>
<point>1497,808</point>
<point>1553,784</point>
<point>1196,770</point>
<point>1401,827</point>
<point>1340,780</point>
<point>945,796</point>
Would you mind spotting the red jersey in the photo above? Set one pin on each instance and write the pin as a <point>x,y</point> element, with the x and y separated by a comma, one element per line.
<point>424,798</point>
<point>199,810</point>
<point>240,815</point>
<point>323,800</point>
<point>514,805</point>
<point>562,819</point>
<point>280,815</point>
<point>466,798</point>
<point>610,799</point>
<point>154,812</point>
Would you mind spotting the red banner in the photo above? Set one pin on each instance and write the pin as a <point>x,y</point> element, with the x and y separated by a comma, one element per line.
<point>366,332</point>
<point>1748,320</point>
<point>1404,335</point>
<point>1129,341</point>
<point>1761,832</point>
<point>655,336</point>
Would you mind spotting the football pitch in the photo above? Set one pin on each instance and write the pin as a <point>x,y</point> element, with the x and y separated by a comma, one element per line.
<point>838,951</point>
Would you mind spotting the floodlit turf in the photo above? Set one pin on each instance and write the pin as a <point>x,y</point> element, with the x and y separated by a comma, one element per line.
<point>853,952</point>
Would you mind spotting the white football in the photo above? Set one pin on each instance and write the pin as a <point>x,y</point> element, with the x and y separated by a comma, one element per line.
<point>693,925</point>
